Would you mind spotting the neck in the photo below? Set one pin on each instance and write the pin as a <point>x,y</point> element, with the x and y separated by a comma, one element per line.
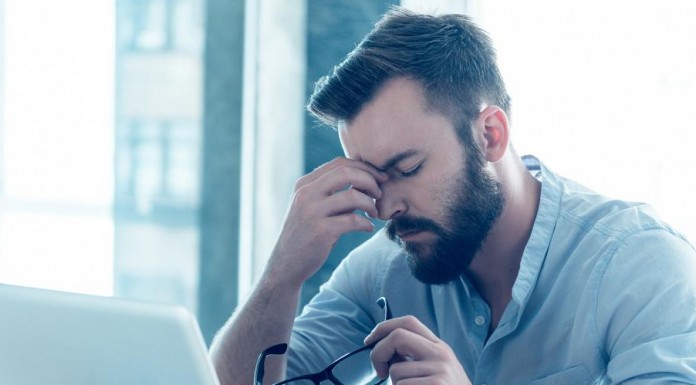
<point>494,269</point>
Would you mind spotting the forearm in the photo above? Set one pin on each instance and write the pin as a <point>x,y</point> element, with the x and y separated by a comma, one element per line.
<point>265,319</point>
<point>320,212</point>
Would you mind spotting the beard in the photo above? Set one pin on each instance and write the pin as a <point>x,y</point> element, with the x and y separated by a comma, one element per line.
<point>474,203</point>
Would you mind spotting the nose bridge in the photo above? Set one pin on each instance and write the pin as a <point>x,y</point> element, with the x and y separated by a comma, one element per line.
<point>392,203</point>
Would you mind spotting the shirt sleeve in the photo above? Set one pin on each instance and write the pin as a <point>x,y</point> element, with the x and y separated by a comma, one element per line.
<point>342,314</point>
<point>646,310</point>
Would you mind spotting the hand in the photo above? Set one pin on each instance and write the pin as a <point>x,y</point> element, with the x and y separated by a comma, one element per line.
<point>322,209</point>
<point>411,354</point>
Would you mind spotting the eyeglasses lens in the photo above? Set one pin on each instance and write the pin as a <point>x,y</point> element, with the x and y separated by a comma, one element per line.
<point>347,369</point>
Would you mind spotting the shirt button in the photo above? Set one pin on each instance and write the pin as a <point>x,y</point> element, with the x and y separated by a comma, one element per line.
<point>479,320</point>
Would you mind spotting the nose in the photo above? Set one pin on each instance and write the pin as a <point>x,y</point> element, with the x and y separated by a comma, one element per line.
<point>391,204</point>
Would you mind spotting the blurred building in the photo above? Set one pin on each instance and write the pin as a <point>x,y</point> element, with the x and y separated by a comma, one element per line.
<point>159,55</point>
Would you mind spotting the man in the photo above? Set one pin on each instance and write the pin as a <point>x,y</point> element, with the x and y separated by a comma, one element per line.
<point>496,269</point>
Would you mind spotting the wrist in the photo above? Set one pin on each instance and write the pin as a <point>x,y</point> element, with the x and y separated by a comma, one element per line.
<point>276,279</point>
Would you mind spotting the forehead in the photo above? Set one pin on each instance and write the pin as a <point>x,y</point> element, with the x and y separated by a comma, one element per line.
<point>394,121</point>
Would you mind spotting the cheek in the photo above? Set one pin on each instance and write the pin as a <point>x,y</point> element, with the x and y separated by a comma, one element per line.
<point>447,196</point>
<point>439,197</point>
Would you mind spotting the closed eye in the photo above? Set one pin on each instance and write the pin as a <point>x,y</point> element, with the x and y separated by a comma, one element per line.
<point>410,172</point>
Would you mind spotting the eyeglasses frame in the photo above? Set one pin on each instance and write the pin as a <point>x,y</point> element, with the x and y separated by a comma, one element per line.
<point>326,373</point>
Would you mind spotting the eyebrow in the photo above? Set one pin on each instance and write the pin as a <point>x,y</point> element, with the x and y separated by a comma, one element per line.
<point>394,160</point>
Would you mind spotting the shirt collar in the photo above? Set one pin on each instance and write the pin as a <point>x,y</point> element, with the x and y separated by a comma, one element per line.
<point>544,225</point>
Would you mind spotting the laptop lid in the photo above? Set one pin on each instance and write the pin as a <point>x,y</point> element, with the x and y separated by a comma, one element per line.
<point>52,337</point>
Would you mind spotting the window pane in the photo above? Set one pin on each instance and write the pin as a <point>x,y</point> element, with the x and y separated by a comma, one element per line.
<point>99,146</point>
<point>56,144</point>
<point>158,139</point>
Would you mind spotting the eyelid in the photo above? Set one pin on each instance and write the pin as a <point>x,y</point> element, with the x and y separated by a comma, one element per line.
<point>410,171</point>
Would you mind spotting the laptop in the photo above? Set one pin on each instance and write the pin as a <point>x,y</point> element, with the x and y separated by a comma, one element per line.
<point>52,337</point>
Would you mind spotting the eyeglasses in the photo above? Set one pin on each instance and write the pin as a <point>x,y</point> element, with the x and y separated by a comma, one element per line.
<point>340,372</point>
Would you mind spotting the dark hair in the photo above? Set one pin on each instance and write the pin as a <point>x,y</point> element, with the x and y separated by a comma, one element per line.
<point>452,59</point>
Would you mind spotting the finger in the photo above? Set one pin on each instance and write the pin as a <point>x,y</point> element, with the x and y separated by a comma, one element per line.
<point>349,201</point>
<point>319,199</point>
<point>399,372</point>
<point>415,381</point>
<point>401,345</point>
<point>345,223</point>
<point>407,322</point>
<point>440,370</point>
<point>343,178</point>
<point>376,174</point>
<point>340,179</point>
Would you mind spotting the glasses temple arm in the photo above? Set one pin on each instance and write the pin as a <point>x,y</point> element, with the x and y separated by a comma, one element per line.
<point>382,302</point>
<point>261,361</point>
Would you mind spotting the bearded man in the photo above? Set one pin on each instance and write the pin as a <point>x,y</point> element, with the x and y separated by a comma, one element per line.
<point>496,269</point>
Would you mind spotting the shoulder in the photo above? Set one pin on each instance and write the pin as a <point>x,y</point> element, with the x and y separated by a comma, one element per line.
<point>649,255</point>
<point>585,213</point>
<point>630,246</point>
<point>646,305</point>
<point>642,281</point>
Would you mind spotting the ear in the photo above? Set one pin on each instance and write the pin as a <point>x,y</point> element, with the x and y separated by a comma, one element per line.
<point>496,136</point>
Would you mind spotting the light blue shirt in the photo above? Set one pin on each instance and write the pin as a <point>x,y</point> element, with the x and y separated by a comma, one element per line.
<point>606,294</point>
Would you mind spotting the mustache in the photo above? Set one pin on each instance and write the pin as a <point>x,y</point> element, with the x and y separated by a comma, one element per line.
<point>407,224</point>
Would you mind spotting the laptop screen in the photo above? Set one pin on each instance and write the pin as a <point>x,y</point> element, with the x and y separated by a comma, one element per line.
<point>51,337</point>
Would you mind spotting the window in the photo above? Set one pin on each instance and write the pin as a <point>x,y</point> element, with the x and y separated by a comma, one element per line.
<point>100,132</point>
<point>56,144</point>
<point>159,55</point>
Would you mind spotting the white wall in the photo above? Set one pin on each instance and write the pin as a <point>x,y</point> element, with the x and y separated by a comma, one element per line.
<point>604,92</point>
